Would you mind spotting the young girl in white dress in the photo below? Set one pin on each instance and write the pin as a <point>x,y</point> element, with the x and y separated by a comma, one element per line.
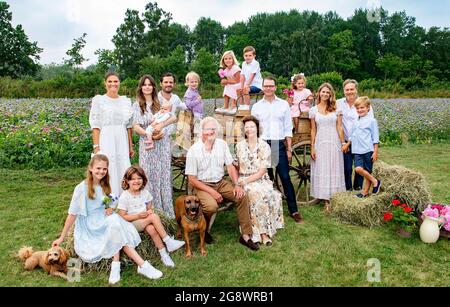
<point>100,233</point>
<point>135,205</point>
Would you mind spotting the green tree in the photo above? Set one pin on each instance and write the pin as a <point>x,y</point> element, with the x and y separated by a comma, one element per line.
<point>130,43</point>
<point>107,60</point>
<point>206,65</point>
<point>208,34</point>
<point>342,50</point>
<point>17,53</point>
<point>158,36</point>
<point>157,65</point>
<point>391,65</point>
<point>76,58</point>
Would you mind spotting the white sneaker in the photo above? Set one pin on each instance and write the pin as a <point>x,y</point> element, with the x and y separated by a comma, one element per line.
<point>220,110</point>
<point>172,245</point>
<point>114,275</point>
<point>149,271</point>
<point>231,111</point>
<point>165,258</point>
<point>244,107</point>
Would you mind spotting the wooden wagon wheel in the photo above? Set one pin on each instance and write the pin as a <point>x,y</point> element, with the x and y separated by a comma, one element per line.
<point>299,172</point>
<point>179,180</point>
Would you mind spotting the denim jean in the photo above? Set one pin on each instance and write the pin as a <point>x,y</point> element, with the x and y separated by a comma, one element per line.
<point>279,158</point>
<point>348,170</point>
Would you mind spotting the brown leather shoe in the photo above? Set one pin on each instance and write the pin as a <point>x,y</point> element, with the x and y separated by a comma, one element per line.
<point>249,243</point>
<point>297,217</point>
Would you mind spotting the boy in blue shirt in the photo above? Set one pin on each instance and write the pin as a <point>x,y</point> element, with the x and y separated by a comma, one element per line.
<point>364,140</point>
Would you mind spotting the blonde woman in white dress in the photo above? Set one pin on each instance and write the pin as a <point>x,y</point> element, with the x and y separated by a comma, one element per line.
<point>110,119</point>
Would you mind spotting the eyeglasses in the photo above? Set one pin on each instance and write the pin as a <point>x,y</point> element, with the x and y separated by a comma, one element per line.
<point>209,129</point>
<point>269,86</point>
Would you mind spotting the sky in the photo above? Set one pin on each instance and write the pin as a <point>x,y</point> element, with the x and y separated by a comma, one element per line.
<point>54,24</point>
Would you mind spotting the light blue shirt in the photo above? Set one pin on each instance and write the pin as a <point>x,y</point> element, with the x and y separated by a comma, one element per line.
<point>349,116</point>
<point>364,135</point>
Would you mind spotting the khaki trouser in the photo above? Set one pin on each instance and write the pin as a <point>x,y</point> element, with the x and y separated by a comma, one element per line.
<point>210,206</point>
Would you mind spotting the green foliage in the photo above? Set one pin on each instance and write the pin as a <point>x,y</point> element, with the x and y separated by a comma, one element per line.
<point>334,78</point>
<point>208,34</point>
<point>158,65</point>
<point>206,65</point>
<point>76,58</point>
<point>17,53</point>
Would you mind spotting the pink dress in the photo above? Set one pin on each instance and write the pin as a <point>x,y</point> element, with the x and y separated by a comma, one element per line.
<point>327,171</point>
<point>300,104</point>
<point>230,89</point>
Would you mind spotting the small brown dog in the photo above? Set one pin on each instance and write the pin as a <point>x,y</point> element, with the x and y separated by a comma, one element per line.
<point>53,261</point>
<point>188,213</point>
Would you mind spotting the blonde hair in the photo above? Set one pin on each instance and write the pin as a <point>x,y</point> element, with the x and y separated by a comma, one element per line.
<point>364,100</point>
<point>229,52</point>
<point>296,78</point>
<point>104,182</point>
<point>166,104</point>
<point>331,103</point>
<point>192,74</point>
<point>249,49</point>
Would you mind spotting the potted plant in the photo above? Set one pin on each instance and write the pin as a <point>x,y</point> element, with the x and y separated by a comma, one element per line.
<point>403,217</point>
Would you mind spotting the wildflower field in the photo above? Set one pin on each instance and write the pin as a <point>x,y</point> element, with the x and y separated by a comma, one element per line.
<point>47,133</point>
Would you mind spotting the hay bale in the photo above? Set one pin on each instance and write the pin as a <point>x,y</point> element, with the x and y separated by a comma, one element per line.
<point>146,248</point>
<point>397,182</point>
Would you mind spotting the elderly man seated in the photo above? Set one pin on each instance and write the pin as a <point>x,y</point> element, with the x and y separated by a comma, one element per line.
<point>205,162</point>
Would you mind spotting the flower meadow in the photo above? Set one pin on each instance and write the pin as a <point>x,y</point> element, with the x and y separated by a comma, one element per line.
<point>46,133</point>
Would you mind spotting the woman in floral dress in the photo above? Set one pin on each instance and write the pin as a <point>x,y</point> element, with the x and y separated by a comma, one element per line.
<point>266,209</point>
<point>327,137</point>
<point>156,162</point>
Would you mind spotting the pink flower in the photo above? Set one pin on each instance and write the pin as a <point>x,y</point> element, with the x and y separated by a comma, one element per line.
<point>222,73</point>
<point>288,92</point>
<point>430,212</point>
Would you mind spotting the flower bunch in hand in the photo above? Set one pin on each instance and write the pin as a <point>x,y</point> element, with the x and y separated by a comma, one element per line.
<point>109,201</point>
<point>222,73</point>
<point>402,216</point>
<point>289,92</point>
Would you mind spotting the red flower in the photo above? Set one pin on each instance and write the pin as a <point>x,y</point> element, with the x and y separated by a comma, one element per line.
<point>407,209</point>
<point>404,205</point>
<point>396,202</point>
<point>388,216</point>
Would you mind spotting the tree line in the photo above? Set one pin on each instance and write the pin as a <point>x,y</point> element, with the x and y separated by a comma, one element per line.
<point>388,50</point>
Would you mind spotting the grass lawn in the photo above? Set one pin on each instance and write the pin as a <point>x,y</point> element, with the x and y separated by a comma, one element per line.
<point>322,252</point>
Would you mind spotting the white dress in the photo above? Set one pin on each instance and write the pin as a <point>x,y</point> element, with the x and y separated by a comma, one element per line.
<point>97,236</point>
<point>327,171</point>
<point>113,116</point>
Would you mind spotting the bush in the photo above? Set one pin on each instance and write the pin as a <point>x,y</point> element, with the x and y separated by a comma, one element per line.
<point>334,78</point>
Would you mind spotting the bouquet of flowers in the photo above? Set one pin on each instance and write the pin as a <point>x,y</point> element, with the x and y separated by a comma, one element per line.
<point>439,212</point>
<point>289,92</point>
<point>109,201</point>
<point>402,216</point>
<point>222,73</point>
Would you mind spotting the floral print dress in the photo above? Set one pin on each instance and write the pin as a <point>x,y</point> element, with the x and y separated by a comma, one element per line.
<point>266,211</point>
<point>156,162</point>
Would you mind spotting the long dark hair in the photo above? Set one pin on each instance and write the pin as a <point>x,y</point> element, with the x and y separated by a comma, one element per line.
<point>156,105</point>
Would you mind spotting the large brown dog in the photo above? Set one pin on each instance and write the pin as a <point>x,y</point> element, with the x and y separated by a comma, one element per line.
<point>53,261</point>
<point>188,213</point>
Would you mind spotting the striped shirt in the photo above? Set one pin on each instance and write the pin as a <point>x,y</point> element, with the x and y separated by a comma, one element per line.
<point>208,166</point>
